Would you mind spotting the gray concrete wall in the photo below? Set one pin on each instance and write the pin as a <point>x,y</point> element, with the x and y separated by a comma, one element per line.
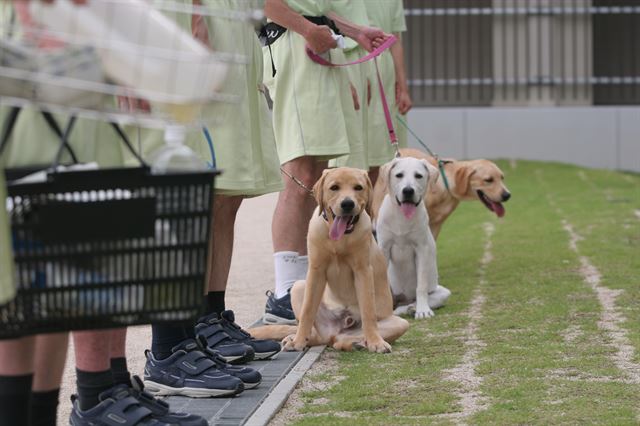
<point>598,137</point>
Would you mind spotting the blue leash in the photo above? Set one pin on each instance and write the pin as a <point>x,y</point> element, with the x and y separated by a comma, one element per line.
<point>209,139</point>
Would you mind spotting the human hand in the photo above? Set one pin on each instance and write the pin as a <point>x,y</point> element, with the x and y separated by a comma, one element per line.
<point>354,95</point>
<point>133,104</point>
<point>403,100</point>
<point>319,38</point>
<point>370,38</point>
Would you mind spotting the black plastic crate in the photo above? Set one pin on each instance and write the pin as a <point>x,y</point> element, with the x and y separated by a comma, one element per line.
<point>107,248</point>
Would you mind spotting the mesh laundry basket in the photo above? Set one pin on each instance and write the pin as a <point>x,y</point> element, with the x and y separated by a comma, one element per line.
<point>107,248</point>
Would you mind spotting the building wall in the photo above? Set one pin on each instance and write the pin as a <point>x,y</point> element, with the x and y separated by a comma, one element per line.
<point>598,137</point>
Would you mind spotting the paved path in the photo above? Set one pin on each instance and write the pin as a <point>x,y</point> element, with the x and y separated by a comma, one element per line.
<point>251,275</point>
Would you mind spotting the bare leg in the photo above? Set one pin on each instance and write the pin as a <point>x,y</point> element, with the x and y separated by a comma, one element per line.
<point>225,210</point>
<point>118,340</point>
<point>50,357</point>
<point>16,356</point>
<point>295,206</point>
<point>93,350</point>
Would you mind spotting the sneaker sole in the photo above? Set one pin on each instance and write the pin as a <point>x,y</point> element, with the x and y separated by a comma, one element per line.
<point>261,356</point>
<point>273,319</point>
<point>251,385</point>
<point>242,359</point>
<point>164,390</point>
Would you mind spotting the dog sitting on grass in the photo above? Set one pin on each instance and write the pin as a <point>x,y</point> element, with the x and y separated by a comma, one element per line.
<point>405,237</point>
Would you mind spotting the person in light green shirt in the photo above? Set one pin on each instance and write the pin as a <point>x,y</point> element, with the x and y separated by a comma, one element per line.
<point>311,104</point>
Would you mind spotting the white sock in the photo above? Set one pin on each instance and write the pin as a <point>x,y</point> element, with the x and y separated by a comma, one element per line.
<point>286,271</point>
<point>303,266</point>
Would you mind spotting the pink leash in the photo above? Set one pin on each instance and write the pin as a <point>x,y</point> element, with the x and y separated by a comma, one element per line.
<point>372,55</point>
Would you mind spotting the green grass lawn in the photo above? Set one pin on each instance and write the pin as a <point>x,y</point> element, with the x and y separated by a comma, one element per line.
<point>543,355</point>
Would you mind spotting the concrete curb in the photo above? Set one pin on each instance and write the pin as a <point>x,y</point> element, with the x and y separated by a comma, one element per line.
<point>278,396</point>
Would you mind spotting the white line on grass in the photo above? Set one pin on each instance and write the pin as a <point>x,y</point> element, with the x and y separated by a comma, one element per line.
<point>637,213</point>
<point>611,320</point>
<point>465,373</point>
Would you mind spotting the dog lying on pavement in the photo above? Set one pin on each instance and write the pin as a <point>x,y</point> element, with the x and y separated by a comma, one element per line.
<point>480,180</point>
<point>405,237</point>
<point>345,301</point>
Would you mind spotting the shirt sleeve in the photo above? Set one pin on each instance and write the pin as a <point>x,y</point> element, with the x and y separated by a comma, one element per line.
<point>399,23</point>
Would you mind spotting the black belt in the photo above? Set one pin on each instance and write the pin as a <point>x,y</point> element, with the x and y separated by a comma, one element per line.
<point>271,31</point>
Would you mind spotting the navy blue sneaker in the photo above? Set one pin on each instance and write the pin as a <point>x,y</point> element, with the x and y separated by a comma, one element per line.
<point>117,407</point>
<point>210,327</point>
<point>250,378</point>
<point>160,409</point>
<point>279,311</point>
<point>188,372</point>
<point>264,349</point>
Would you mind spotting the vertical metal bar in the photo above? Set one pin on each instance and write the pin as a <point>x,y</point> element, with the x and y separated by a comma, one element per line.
<point>562,24</point>
<point>574,50</point>
<point>527,35</point>
<point>457,53</point>
<point>445,57</point>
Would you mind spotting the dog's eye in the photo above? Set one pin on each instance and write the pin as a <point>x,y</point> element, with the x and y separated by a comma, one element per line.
<point>334,187</point>
<point>400,175</point>
<point>358,188</point>
<point>419,176</point>
<point>489,180</point>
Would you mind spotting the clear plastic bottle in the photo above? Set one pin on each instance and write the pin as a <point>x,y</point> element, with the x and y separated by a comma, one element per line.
<point>174,155</point>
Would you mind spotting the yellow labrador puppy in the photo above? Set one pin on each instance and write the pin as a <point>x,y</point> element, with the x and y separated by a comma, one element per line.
<point>346,299</point>
<point>468,180</point>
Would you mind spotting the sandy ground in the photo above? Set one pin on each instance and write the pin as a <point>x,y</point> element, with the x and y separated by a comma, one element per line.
<point>251,275</point>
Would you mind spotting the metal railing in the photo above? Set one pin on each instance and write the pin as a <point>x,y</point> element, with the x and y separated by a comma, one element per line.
<point>523,52</point>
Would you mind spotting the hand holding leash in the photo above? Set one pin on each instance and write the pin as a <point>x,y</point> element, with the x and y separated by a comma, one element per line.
<point>320,38</point>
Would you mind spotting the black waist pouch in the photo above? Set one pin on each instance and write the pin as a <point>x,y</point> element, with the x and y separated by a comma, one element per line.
<point>270,32</point>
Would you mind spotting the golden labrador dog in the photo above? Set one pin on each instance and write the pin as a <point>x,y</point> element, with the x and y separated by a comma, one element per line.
<point>468,180</point>
<point>346,299</point>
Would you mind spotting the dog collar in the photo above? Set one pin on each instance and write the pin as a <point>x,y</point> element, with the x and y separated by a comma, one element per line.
<point>355,219</point>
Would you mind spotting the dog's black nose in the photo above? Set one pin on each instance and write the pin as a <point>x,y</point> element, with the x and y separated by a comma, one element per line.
<point>506,195</point>
<point>347,205</point>
<point>408,192</point>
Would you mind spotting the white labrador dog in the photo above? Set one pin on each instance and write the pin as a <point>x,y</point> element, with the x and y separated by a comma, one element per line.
<point>405,238</point>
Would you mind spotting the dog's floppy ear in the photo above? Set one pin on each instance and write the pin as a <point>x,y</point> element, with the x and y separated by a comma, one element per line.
<point>463,179</point>
<point>318,190</point>
<point>385,174</point>
<point>368,193</point>
<point>434,172</point>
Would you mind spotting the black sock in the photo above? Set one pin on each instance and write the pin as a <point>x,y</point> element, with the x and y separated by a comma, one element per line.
<point>43,408</point>
<point>120,371</point>
<point>15,392</point>
<point>215,302</point>
<point>90,385</point>
<point>164,337</point>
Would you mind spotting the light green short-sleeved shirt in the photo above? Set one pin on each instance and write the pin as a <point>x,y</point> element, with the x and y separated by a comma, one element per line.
<point>7,287</point>
<point>388,15</point>
<point>310,7</point>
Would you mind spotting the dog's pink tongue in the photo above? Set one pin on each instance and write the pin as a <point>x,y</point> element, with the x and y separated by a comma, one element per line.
<point>408,209</point>
<point>339,227</point>
<point>498,209</point>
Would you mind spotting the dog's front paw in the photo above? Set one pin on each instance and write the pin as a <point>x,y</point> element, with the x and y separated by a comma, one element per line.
<point>425,313</point>
<point>291,343</point>
<point>378,346</point>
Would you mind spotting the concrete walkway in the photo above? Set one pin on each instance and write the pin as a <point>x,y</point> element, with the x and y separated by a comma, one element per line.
<point>251,275</point>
